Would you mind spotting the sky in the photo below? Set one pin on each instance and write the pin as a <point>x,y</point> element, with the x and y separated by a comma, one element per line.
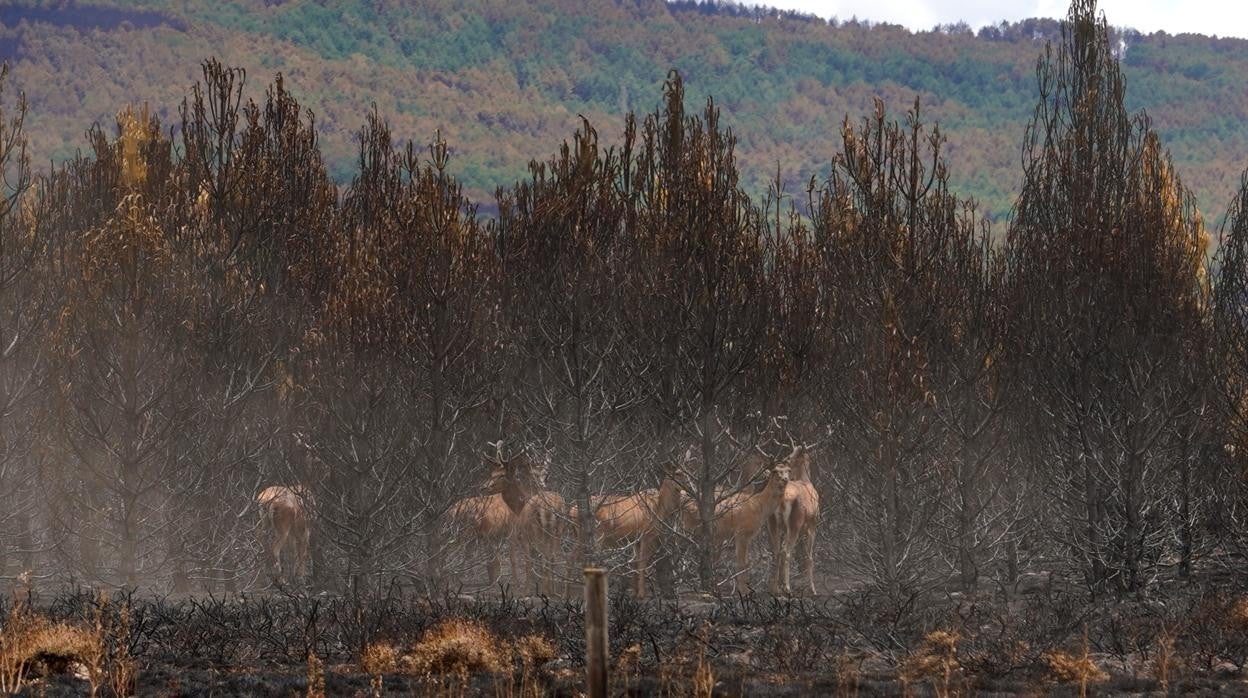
<point>1213,17</point>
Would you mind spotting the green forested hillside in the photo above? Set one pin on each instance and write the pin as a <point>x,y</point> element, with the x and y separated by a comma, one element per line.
<point>505,80</point>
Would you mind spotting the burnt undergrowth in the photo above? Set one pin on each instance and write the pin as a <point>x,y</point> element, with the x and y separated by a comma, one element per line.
<point>1185,638</point>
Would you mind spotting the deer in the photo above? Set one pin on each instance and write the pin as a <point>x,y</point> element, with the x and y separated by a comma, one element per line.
<point>285,510</point>
<point>638,517</point>
<point>496,518</point>
<point>796,518</point>
<point>741,515</point>
<point>540,533</point>
<point>484,520</point>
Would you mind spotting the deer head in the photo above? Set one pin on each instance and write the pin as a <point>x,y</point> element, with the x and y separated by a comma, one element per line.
<point>798,462</point>
<point>671,494</point>
<point>778,478</point>
<point>517,478</point>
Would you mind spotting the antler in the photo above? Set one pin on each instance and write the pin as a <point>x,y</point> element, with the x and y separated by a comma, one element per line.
<point>816,443</point>
<point>782,429</point>
<point>793,442</point>
<point>498,452</point>
<point>724,430</point>
<point>676,470</point>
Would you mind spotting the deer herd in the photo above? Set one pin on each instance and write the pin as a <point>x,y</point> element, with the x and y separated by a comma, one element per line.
<point>518,513</point>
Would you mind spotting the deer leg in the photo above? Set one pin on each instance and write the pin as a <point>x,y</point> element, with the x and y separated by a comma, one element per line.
<point>527,555</point>
<point>542,555</point>
<point>517,574</point>
<point>542,572</point>
<point>493,566</point>
<point>277,545</point>
<point>556,554</point>
<point>302,542</point>
<point>538,563</point>
<point>575,556</point>
<point>645,549</point>
<point>777,544</point>
<point>553,550</point>
<point>741,581</point>
<point>786,557</point>
<point>439,544</point>
<point>809,544</point>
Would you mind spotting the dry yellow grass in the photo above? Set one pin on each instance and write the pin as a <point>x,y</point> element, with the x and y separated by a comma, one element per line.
<point>535,650</point>
<point>847,676</point>
<point>456,646</point>
<point>1165,660</point>
<point>532,651</point>
<point>121,670</point>
<point>316,677</point>
<point>378,659</point>
<point>1070,668</point>
<point>456,649</point>
<point>1080,669</point>
<point>936,660</point>
<point>28,638</point>
<point>627,668</point>
<point>703,679</point>
<point>703,676</point>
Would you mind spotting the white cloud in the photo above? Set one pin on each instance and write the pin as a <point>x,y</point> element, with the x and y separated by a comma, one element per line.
<point>1214,17</point>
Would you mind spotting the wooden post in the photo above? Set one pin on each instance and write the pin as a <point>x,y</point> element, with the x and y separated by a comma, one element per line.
<point>596,632</point>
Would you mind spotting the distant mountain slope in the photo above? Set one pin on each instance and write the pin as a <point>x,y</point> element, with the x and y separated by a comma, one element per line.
<point>505,80</point>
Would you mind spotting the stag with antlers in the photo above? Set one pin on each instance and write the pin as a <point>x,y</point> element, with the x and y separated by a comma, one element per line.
<point>796,517</point>
<point>540,533</point>
<point>498,517</point>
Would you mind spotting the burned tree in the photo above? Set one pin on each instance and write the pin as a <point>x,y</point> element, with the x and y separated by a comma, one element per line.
<point>703,298</point>
<point>1230,348</point>
<point>255,205</point>
<point>562,234</point>
<point>889,230</point>
<point>1106,256</point>
<point>26,304</point>
<point>123,366</point>
<point>801,340</point>
<point>982,491</point>
<point>402,359</point>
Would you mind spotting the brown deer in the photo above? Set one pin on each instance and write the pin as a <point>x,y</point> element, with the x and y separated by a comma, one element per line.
<point>540,535</point>
<point>484,521</point>
<point>796,517</point>
<point>638,517</point>
<point>496,519</point>
<point>740,516</point>
<point>286,512</point>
